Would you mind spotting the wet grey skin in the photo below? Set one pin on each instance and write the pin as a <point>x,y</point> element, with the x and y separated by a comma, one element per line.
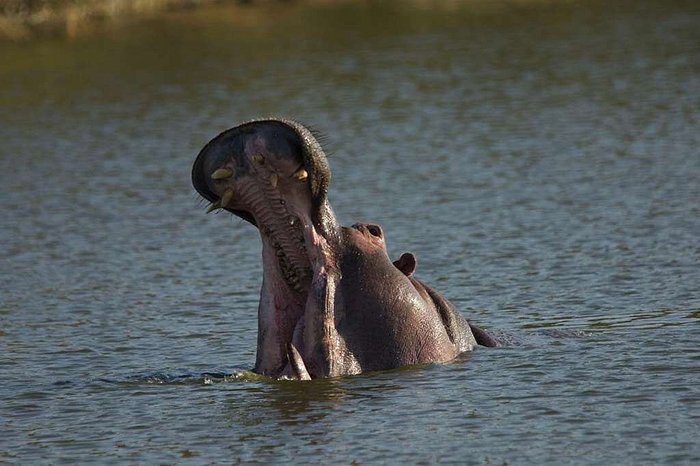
<point>332,303</point>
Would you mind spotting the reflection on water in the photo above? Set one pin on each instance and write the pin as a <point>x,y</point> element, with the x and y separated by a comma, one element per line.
<point>539,158</point>
<point>287,403</point>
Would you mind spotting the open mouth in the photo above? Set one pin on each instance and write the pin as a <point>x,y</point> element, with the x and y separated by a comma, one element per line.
<point>322,284</point>
<point>274,175</point>
<point>259,173</point>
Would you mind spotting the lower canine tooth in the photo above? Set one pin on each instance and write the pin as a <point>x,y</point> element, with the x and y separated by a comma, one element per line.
<point>273,180</point>
<point>226,198</point>
<point>213,207</point>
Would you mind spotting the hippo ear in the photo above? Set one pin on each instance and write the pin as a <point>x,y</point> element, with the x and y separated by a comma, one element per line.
<point>406,263</point>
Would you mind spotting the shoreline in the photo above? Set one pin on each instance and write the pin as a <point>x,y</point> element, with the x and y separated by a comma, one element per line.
<point>27,19</point>
<point>24,20</point>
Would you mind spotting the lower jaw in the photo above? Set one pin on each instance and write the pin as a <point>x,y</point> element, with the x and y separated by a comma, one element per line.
<point>285,293</point>
<point>282,307</point>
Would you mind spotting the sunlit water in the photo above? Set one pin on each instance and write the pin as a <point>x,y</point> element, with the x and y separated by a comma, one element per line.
<point>541,160</point>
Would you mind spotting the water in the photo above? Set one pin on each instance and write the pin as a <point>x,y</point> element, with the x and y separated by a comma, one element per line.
<point>541,160</point>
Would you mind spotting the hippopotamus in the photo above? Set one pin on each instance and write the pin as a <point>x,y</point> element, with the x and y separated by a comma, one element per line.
<point>332,302</point>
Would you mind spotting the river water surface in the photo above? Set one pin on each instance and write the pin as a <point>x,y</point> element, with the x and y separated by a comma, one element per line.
<point>541,160</point>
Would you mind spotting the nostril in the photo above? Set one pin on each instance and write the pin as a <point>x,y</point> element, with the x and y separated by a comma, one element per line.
<point>374,230</point>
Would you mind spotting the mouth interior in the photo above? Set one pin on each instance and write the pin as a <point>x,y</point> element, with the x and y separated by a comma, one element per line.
<point>274,175</point>
<point>285,247</point>
<point>291,256</point>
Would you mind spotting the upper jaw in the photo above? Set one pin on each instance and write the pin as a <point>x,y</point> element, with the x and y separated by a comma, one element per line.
<point>286,146</point>
<point>273,174</point>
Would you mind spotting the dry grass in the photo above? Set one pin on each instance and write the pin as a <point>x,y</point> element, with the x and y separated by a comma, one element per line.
<point>23,19</point>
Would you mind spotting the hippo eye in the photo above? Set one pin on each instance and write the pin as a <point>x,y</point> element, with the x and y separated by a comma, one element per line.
<point>374,230</point>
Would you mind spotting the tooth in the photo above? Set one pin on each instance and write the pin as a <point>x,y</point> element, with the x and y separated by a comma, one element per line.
<point>292,220</point>
<point>259,159</point>
<point>301,174</point>
<point>273,180</point>
<point>227,197</point>
<point>222,174</point>
<point>213,207</point>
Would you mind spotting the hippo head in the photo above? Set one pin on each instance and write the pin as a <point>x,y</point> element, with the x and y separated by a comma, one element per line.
<point>273,174</point>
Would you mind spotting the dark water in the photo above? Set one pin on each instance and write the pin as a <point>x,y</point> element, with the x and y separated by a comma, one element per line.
<point>542,161</point>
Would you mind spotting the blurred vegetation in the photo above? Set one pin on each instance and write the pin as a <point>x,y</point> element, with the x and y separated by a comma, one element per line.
<point>23,19</point>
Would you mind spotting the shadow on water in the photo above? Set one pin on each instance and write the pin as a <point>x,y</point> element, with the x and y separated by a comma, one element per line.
<point>250,399</point>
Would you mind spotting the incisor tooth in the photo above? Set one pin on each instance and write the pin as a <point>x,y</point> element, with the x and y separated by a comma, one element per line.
<point>213,207</point>
<point>222,174</point>
<point>227,197</point>
<point>258,158</point>
<point>301,174</point>
<point>273,180</point>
